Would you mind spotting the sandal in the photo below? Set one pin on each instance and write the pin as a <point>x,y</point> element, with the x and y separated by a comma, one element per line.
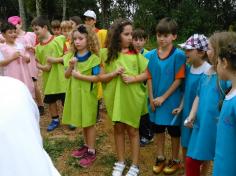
<point>133,171</point>
<point>118,169</point>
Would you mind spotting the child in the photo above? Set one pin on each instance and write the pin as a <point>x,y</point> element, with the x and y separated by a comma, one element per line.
<point>66,29</point>
<point>225,152</point>
<point>166,68</point>
<point>81,96</point>
<point>28,40</point>
<point>75,21</point>
<point>123,73</point>
<point>49,52</point>
<point>139,39</point>
<point>56,27</point>
<point>203,116</point>
<point>14,57</point>
<point>195,48</point>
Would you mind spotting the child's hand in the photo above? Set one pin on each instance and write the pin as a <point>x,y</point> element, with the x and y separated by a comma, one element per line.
<point>16,55</point>
<point>30,48</point>
<point>176,111</point>
<point>51,60</point>
<point>153,108</point>
<point>72,62</point>
<point>189,122</point>
<point>158,101</point>
<point>128,79</point>
<point>75,74</point>
<point>47,67</point>
<point>119,71</point>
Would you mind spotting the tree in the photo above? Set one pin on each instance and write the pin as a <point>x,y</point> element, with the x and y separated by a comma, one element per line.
<point>63,9</point>
<point>22,13</point>
<point>38,7</point>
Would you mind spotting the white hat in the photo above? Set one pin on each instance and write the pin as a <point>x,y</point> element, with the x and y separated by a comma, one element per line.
<point>91,14</point>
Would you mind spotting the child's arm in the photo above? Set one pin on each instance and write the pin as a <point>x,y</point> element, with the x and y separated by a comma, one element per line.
<point>180,108</point>
<point>134,79</point>
<point>45,68</point>
<point>106,77</point>
<point>159,100</point>
<point>7,61</point>
<point>68,71</point>
<point>52,60</point>
<point>150,94</point>
<point>192,115</point>
<point>89,78</point>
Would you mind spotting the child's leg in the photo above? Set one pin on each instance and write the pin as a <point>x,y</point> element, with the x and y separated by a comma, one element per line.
<point>192,167</point>
<point>175,142</point>
<point>38,96</point>
<point>205,168</point>
<point>53,110</point>
<point>119,135</point>
<point>160,138</point>
<point>184,152</point>
<point>90,136</point>
<point>134,140</point>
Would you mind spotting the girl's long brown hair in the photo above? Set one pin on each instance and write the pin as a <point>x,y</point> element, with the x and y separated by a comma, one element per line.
<point>114,41</point>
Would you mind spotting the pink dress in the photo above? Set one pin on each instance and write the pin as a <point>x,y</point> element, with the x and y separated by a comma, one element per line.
<point>29,39</point>
<point>18,68</point>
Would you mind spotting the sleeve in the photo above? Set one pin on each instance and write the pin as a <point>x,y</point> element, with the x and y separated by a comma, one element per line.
<point>180,60</point>
<point>142,63</point>
<point>96,70</point>
<point>149,74</point>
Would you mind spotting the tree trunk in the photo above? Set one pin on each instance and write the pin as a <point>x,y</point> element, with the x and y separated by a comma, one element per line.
<point>64,10</point>
<point>38,7</point>
<point>22,14</point>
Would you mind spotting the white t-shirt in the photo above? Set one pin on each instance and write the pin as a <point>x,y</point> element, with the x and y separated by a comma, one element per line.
<point>21,149</point>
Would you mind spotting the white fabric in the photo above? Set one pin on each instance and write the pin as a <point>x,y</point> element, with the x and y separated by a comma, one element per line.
<point>21,149</point>
<point>201,69</point>
<point>231,95</point>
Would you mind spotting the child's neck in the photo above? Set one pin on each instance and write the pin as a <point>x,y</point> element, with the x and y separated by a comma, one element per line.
<point>20,32</point>
<point>233,82</point>
<point>163,52</point>
<point>82,52</point>
<point>10,43</point>
<point>125,50</point>
<point>46,38</point>
<point>197,63</point>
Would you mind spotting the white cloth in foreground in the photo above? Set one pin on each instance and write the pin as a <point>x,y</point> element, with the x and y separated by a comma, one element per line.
<point>21,147</point>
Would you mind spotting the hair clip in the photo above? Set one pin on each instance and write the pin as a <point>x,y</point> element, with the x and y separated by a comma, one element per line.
<point>82,29</point>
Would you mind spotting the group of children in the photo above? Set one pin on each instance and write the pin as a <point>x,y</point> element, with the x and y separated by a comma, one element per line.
<point>162,90</point>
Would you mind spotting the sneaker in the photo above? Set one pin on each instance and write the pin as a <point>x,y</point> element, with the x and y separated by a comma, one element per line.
<point>88,159</point>
<point>172,167</point>
<point>159,166</point>
<point>80,152</point>
<point>53,125</point>
<point>144,141</point>
<point>118,169</point>
<point>133,171</point>
<point>41,110</point>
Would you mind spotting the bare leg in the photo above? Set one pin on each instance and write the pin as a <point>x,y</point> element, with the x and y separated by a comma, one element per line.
<point>134,141</point>
<point>119,135</point>
<point>160,137</point>
<point>38,96</point>
<point>205,168</point>
<point>90,136</point>
<point>53,109</point>
<point>175,147</point>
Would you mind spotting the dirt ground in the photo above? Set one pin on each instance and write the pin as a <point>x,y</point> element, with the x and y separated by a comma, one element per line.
<point>60,143</point>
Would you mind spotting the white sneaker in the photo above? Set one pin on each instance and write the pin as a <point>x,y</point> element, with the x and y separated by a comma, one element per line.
<point>133,171</point>
<point>118,169</point>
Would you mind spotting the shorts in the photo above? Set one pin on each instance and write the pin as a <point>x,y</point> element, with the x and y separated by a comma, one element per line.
<point>173,131</point>
<point>52,98</point>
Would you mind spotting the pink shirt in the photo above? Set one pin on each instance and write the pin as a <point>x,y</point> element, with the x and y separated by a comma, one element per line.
<point>18,68</point>
<point>29,39</point>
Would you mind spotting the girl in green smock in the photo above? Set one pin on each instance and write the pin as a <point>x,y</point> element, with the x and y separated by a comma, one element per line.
<point>80,109</point>
<point>122,73</point>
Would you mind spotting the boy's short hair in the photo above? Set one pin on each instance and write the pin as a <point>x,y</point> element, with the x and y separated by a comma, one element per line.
<point>7,26</point>
<point>66,24</point>
<point>139,34</point>
<point>40,21</point>
<point>55,24</point>
<point>76,19</point>
<point>167,25</point>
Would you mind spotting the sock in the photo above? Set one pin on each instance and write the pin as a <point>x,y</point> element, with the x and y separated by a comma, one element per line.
<point>93,151</point>
<point>121,162</point>
<point>161,157</point>
<point>135,166</point>
<point>176,160</point>
<point>56,118</point>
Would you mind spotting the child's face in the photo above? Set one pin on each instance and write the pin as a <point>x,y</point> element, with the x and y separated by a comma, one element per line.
<point>41,32</point>
<point>138,43</point>
<point>126,36</point>
<point>66,32</point>
<point>210,53</point>
<point>56,31</point>
<point>89,21</point>
<point>80,41</point>
<point>193,55</point>
<point>10,35</point>
<point>165,40</point>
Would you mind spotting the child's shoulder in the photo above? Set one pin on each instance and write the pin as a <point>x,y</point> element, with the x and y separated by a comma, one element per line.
<point>151,53</point>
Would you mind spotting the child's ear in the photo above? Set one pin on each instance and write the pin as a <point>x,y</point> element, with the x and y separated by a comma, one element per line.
<point>174,36</point>
<point>225,63</point>
<point>45,27</point>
